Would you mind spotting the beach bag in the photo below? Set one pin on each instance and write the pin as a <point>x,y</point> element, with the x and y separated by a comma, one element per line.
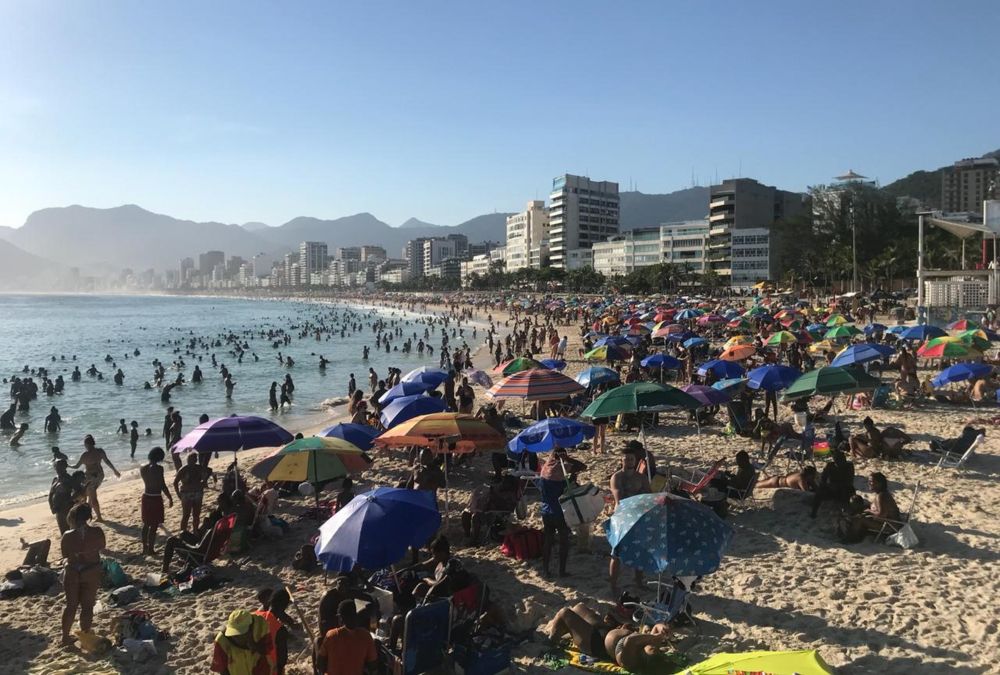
<point>905,538</point>
<point>124,595</point>
<point>581,504</point>
<point>522,544</point>
<point>114,575</point>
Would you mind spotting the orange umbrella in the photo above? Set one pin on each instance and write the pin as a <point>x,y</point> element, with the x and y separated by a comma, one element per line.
<point>738,353</point>
<point>465,432</point>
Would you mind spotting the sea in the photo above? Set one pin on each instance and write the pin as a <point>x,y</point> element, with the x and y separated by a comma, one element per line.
<point>58,332</point>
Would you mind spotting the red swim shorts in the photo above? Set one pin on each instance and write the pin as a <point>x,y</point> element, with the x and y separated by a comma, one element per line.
<point>152,510</point>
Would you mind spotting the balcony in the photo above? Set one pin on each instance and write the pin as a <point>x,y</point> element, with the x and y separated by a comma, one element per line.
<point>720,216</point>
<point>719,230</point>
<point>721,202</point>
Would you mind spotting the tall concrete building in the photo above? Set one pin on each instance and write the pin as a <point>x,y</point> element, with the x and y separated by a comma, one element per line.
<point>372,253</point>
<point>312,258</point>
<point>740,214</point>
<point>413,253</point>
<point>969,182</point>
<point>681,243</point>
<point>461,243</point>
<point>581,213</point>
<point>186,269</point>
<point>526,230</point>
<point>436,251</point>
<point>208,260</point>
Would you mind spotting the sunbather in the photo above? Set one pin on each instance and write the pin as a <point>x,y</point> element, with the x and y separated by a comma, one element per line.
<point>607,640</point>
<point>804,480</point>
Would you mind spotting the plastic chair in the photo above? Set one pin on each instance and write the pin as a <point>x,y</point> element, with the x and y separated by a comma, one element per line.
<point>692,488</point>
<point>952,459</point>
<point>426,636</point>
<point>744,498</point>
<point>218,542</point>
<point>889,527</point>
<point>672,603</point>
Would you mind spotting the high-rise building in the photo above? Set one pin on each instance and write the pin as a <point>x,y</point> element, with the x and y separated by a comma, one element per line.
<point>312,258</point>
<point>526,230</point>
<point>436,251</point>
<point>968,183</point>
<point>582,212</point>
<point>682,243</point>
<point>262,264</point>
<point>186,270</point>
<point>461,243</point>
<point>208,260</point>
<point>372,253</point>
<point>348,253</point>
<point>413,252</point>
<point>741,212</point>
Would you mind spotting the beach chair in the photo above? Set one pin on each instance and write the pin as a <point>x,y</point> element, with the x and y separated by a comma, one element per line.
<point>218,543</point>
<point>957,446</point>
<point>744,499</point>
<point>696,485</point>
<point>672,604</point>
<point>426,636</point>
<point>951,459</point>
<point>889,527</point>
<point>739,422</point>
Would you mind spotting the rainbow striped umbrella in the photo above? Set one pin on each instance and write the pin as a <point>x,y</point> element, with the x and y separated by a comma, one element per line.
<point>464,432</point>
<point>315,459</point>
<point>841,332</point>
<point>538,384</point>
<point>963,324</point>
<point>950,347</point>
<point>835,319</point>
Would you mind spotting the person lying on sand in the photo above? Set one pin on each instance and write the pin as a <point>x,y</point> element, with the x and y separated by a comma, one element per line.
<point>804,480</point>
<point>608,641</point>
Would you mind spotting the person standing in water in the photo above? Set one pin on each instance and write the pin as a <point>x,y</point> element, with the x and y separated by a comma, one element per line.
<point>133,438</point>
<point>151,505</point>
<point>93,459</point>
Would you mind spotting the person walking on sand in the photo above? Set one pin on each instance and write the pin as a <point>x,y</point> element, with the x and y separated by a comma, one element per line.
<point>81,546</point>
<point>151,504</point>
<point>93,459</point>
<point>189,484</point>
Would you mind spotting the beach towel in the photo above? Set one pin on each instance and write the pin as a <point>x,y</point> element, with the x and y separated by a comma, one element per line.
<point>561,658</point>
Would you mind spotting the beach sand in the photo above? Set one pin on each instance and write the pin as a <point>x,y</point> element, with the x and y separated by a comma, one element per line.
<point>786,582</point>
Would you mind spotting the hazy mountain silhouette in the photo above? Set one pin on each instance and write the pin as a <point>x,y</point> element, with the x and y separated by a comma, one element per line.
<point>254,226</point>
<point>414,222</point>
<point>20,270</point>
<point>637,209</point>
<point>5,232</point>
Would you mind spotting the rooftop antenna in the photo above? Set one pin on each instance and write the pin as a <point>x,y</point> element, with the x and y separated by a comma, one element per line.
<point>741,168</point>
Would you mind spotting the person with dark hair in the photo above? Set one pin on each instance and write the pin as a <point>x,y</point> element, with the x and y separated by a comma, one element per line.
<point>738,482</point>
<point>81,546</point>
<point>349,649</point>
<point>883,506</point>
<point>555,474</point>
<point>499,497</point>
<point>609,641</point>
<point>346,493</point>
<point>200,541</point>
<point>804,480</point>
<point>835,482</point>
<point>274,606</point>
<point>189,484</point>
<point>93,459</point>
<point>626,482</point>
<point>63,494</point>
<point>151,507</point>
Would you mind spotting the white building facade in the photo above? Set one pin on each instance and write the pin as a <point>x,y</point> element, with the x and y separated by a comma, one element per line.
<point>527,231</point>
<point>582,212</point>
<point>680,243</point>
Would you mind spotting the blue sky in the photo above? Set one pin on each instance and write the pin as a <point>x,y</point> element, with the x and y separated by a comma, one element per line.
<point>238,111</point>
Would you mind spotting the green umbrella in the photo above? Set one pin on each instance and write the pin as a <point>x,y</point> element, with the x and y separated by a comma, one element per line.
<point>830,380</point>
<point>639,397</point>
<point>841,332</point>
<point>517,365</point>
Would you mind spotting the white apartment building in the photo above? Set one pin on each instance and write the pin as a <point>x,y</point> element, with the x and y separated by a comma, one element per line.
<point>578,258</point>
<point>680,243</point>
<point>479,265</point>
<point>751,256</point>
<point>436,251</point>
<point>312,259</point>
<point>527,231</point>
<point>582,213</point>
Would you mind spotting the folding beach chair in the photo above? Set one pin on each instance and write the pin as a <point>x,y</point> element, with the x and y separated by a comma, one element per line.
<point>218,543</point>
<point>699,481</point>
<point>739,422</point>
<point>744,499</point>
<point>951,459</point>
<point>672,604</point>
<point>890,527</point>
<point>426,636</point>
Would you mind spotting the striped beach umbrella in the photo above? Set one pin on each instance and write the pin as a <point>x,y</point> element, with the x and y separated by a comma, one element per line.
<point>538,384</point>
<point>947,347</point>
<point>782,337</point>
<point>315,459</point>
<point>465,432</point>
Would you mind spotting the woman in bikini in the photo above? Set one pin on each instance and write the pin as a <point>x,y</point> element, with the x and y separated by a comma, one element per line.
<point>609,641</point>
<point>93,459</point>
<point>804,480</point>
<point>81,546</point>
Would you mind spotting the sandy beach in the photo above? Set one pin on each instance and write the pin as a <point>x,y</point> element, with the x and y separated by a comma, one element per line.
<point>786,583</point>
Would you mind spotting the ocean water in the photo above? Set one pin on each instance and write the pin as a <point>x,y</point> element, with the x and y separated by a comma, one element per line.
<point>36,328</point>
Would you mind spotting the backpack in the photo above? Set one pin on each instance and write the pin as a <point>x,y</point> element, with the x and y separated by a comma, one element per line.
<point>522,544</point>
<point>305,559</point>
<point>114,575</point>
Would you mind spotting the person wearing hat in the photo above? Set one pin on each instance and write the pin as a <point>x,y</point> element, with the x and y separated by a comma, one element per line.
<point>243,646</point>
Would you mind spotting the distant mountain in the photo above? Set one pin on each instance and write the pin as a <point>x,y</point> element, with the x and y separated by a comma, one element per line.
<point>127,236</point>
<point>5,232</point>
<point>637,209</point>
<point>20,270</point>
<point>413,223</point>
<point>254,226</point>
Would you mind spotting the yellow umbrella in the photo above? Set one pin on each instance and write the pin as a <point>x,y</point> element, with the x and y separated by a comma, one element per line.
<point>737,340</point>
<point>805,662</point>
<point>821,347</point>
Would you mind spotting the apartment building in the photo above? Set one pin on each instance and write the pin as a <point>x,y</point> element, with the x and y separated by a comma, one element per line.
<point>582,212</point>
<point>527,231</point>
<point>679,243</point>
<point>312,259</point>
<point>968,183</point>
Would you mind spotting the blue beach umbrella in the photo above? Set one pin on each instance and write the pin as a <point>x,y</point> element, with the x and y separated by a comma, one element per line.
<point>922,332</point>
<point>409,407</point>
<point>553,364</point>
<point>682,337</point>
<point>375,529</point>
<point>873,328</point>
<point>404,389</point>
<point>597,375</point>
<point>961,371</point>
<point>688,314</point>
<point>695,342</point>
<point>426,375</point>
<point>897,330</point>
<point>731,386</point>
<point>721,369</point>
<point>862,353</point>
<point>613,340</point>
<point>554,432</point>
<point>772,378</point>
<point>665,534</point>
<point>660,361</point>
<point>360,435</point>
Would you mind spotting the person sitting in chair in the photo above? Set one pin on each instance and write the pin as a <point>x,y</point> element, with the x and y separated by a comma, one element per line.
<point>500,497</point>
<point>836,482</point>
<point>883,506</point>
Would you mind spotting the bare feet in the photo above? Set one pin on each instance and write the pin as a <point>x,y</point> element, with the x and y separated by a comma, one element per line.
<point>67,641</point>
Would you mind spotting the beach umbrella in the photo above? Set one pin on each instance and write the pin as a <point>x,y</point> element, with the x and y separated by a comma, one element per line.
<point>738,353</point>
<point>740,324</point>
<point>408,407</point>
<point>844,332</point>
<point>731,386</point>
<point>835,320</point>
<point>479,377</point>
<point>666,534</point>
<point>946,347</point>
<point>721,369</point>
<point>710,319</point>
<point>234,433</point>
<point>597,375</point>
<point>613,340</point>
<point>963,324</point>
<point>688,314</point>
<point>660,360</point>
<point>791,323</point>
<point>821,347</point>
<point>426,375</point>
<point>404,389</point>
<point>830,380</point>
<point>975,338</point>
<point>538,384</point>
<point>805,662</point>
<point>553,364</point>
<point>638,330</point>
<point>682,337</point>
<point>782,337</point>
<point>862,353</point>
<point>737,340</point>
<point>463,433</point>
<point>874,329</point>
<point>757,310</point>
<point>316,459</point>
<point>691,343</point>
<point>897,330</point>
<point>818,328</point>
<point>360,435</point>
<point>375,529</point>
<point>706,396</point>
<point>550,433</point>
<point>638,397</point>
<point>607,353</point>
<point>922,332</point>
<point>772,378</point>
<point>960,372</point>
<point>517,365</point>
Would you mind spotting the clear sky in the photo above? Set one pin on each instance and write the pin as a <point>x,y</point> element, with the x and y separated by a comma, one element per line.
<point>238,111</point>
